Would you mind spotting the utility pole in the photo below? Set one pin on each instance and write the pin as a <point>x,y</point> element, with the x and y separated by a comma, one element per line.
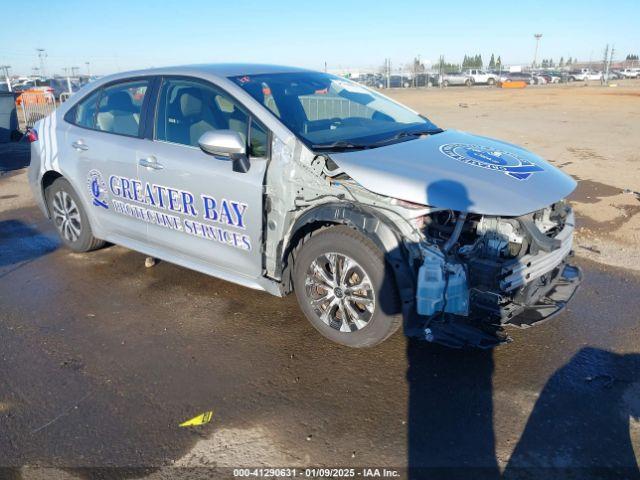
<point>605,66</point>
<point>387,72</point>
<point>608,60</point>
<point>42,54</point>
<point>5,69</point>
<point>537,36</point>
<point>89,69</point>
<point>66,74</point>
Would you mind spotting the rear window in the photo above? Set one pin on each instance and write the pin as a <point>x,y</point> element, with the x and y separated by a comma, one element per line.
<point>114,109</point>
<point>85,111</point>
<point>120,108</point>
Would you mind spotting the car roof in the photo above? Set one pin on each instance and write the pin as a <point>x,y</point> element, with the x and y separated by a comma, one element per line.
<point>214,69</point>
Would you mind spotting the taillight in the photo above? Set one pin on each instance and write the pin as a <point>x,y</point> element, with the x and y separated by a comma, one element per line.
<point>32,135</point>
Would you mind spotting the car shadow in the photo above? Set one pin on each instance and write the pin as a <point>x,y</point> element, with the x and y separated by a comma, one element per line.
<point>450,409</point>
<point>20,242</point>
<point>450,413</point>
<point>579,427</point>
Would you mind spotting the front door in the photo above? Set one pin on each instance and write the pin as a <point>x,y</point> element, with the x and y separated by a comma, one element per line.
<point>203,210</point>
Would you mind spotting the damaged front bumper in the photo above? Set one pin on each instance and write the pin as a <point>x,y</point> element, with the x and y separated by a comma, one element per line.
<point>459,310</point>
<point>459,331</point>
<point>555,298</point>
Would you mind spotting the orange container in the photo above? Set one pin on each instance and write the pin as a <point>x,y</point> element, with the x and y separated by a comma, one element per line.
<point>516,84</point>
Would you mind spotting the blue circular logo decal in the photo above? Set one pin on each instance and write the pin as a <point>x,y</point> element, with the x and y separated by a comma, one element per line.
<point>491,159</point>
<point>98,189</point>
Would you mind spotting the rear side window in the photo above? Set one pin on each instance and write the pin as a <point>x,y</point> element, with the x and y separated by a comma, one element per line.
<point>120,108</point>
<point>85,111</point>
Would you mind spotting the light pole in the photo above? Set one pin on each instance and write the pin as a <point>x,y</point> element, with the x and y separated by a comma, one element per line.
<point>42,54</point>
<point>537,36</point>
<point>88,69</point>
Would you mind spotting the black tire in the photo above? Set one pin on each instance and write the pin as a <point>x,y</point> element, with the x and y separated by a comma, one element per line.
<point>490,82</point>
<point>445,83</point>
<point>80,238</point>
<point>385,317</point>
<point>468,83</point>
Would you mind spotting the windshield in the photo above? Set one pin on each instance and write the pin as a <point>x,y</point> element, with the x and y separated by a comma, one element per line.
<point>329,112</point>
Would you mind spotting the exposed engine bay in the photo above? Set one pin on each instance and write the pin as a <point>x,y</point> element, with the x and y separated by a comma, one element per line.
<point>495,271</point>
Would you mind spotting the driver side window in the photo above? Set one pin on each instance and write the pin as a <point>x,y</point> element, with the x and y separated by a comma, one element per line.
<point>187,109</point>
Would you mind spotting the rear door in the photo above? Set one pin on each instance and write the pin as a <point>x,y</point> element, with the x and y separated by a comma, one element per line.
<point>206,212</point>
<point>103,140</point>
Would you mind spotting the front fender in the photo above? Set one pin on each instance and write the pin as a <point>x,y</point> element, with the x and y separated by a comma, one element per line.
<point>371,224</point>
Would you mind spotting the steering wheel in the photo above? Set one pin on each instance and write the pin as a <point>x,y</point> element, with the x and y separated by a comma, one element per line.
<point>335,122</point>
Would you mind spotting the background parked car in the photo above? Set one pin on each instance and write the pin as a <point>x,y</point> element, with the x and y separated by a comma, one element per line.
<point>584,75</point>
<point>481,77</point>
<point>449,79</point>
<point>60,85</point>
<point>518,77</point>
<point>630,73</point>
<point>399,81</point>
<point>551,77</point>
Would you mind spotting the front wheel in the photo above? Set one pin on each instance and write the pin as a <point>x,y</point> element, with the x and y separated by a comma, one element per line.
<point>65,209</point>
<point>345,288</point>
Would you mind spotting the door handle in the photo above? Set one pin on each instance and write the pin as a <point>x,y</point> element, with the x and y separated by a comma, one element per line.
<point>79,145</point>
<point>150,162</point>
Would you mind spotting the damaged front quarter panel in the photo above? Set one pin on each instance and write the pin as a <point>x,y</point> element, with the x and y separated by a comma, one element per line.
<point>462,277</point>
<point>303,189</point>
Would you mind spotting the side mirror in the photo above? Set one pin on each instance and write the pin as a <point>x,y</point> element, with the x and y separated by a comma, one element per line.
<point>226,143</point>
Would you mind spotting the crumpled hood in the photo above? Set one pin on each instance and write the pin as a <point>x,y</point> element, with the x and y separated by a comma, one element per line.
<point>459,171</point>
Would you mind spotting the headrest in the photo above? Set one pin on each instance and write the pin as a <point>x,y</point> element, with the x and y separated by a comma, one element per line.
<point>120,101</point>
<point>190,102</point>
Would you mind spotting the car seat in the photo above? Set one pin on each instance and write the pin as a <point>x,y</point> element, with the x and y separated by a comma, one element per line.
<point>119,115</point>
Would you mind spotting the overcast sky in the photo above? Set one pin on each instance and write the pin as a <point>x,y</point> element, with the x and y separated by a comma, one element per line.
<point>116,35</point>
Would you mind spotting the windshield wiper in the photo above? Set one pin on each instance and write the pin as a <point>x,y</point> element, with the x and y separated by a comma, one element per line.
<point>410,133</point>
<point>343,145</point>
<point>339,146</point>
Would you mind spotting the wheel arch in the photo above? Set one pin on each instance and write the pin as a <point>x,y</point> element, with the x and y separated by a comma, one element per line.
<point>366,221</point>
<point>46,181</point>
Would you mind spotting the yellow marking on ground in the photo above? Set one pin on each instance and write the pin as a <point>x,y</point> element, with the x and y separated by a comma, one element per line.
<point>198,420</point>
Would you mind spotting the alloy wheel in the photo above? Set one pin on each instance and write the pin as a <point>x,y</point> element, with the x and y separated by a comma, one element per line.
<point>340,292</point>
<point>66,216</point>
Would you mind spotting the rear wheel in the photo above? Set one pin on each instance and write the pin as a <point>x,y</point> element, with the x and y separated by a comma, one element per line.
<point>70,219</point>
<point>345,289</point>
<point>445,83</point>
<point>490,82</point>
